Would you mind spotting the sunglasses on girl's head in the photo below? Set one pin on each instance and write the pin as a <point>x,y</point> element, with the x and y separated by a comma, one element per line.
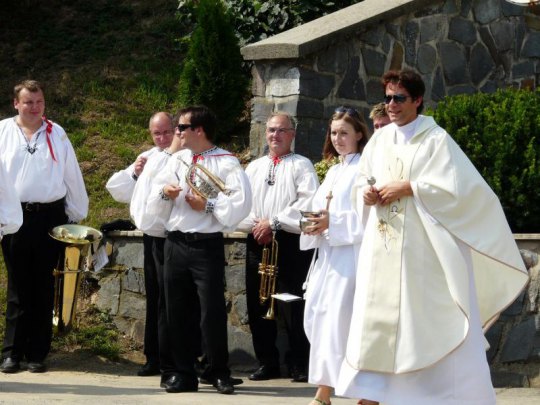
<point>351,111</point>
<point>398,98</point>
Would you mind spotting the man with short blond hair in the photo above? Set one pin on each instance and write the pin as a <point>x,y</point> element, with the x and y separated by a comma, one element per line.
<point>379,116</point>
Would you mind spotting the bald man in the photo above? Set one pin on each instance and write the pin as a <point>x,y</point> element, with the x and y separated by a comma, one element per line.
<point>121,186</point>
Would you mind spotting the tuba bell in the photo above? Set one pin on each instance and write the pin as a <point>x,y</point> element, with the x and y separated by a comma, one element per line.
<point>268,270</point>
<point>67,279</point>
<point>203,182</point>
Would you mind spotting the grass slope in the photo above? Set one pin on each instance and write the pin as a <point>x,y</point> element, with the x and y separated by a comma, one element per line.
<point>106,67</point>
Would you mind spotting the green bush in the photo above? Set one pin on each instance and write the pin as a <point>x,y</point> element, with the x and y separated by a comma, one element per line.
<point>212,73</point>
<point>322,167</point>
<point>500,133</point>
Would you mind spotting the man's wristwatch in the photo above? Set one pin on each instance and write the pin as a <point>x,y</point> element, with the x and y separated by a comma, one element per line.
<point>275,225</point>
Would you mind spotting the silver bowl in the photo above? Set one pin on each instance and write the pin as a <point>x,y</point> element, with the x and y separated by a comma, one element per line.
<point>305,220</point>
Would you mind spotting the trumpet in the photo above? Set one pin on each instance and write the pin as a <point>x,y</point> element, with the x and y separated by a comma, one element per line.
<point>67,279</point>
<point>268,270</point>
<point>208,186</point>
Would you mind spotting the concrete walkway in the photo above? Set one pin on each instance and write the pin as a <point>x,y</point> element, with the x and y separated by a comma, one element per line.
<point>76,387</point>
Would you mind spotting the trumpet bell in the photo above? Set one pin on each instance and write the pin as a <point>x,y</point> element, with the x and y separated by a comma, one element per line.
<point>75,234</point>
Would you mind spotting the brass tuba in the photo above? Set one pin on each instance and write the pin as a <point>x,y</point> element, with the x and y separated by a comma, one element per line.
<point>208,185</point>
<point>67,279</point>
<point>268,270</point>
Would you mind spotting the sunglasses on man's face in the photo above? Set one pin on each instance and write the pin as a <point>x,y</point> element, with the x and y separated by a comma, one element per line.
<point>183,127</point>
<point>398,98</point>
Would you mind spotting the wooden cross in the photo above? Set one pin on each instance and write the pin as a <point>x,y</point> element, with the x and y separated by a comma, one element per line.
<point>328,198</point>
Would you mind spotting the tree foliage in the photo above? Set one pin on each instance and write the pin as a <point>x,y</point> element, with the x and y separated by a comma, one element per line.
<point>212,72</point>
<point>258,19</point>
<point>500,133</point>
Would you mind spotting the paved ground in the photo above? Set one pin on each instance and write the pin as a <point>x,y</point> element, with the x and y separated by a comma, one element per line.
<point>122,387</point>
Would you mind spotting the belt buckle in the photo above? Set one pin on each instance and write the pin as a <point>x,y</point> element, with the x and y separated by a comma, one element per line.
<point>190,237</point>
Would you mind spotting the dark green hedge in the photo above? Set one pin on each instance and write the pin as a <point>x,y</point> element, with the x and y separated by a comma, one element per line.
<point>212,72</point>
<point>500,133</point>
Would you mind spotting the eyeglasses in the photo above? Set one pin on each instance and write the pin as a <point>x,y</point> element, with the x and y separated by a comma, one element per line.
<point>272,130</point>
<point>183,127</point>
<point>164,133</point>
<point>351,111</point>
<point>398,98</point>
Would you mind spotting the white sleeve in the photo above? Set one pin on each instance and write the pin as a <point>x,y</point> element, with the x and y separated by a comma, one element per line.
<point>121,184</point>
<point>76,196</point>
<point>11,216</point>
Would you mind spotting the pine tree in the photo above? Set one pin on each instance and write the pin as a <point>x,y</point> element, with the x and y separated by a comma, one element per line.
<point>212,73</point>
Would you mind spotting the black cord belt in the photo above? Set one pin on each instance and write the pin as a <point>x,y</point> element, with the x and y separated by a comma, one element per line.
<point>40,207</point>
<point>193,236</point>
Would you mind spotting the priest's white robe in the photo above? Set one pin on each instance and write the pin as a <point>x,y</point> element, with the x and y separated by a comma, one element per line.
<point>432,270</point>
<point>331,283</point>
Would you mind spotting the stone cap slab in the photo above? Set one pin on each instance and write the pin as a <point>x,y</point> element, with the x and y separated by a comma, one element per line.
<point>322,32</point>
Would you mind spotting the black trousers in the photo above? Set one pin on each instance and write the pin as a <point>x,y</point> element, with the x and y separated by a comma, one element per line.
<point>293,265</point>
<point>30,256</point>
<point>156,338</point>
<point>194,299</point>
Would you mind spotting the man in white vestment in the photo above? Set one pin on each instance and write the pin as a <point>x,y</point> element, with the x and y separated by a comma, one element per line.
<point>41,164</point>
<point>283,183</point>
<point>437,264</point>
<point>121,186</point>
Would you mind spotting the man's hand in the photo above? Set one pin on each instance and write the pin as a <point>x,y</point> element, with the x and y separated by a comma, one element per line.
<point>171,191</point>
<point>394,191</point>
<point>262,232</point>
<point>139,165</point>
<point>196,202</point>
<point>371,195</point>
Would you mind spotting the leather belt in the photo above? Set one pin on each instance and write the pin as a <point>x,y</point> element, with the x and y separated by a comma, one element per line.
<point>40,207</point>
<point>193,236</point>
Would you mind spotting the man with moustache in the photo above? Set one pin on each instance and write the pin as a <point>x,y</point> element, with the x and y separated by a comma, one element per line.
<point>283,183</point>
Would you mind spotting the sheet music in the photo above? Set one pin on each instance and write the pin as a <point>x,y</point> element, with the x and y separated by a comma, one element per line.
<point>286,297</point>
<point>100,259</point>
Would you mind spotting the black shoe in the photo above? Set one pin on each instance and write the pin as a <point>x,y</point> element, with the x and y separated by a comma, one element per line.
<point>211,381</point>
<point>148,369</point>
<point>298,374</point>
<point>10,365</point>
<point>176,383</point>
<point>36,367</point>
<point>224,385</point>
<point>265,373</point>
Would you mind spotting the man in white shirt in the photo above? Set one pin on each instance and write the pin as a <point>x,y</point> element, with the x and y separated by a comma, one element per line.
<point>121,186</point>
<point>41,163</point>
<point>194,250</point>
<point>283,183</point>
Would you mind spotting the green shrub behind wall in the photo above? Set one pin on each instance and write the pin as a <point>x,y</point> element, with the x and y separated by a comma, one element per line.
<point>212,73</point>
<point>500,133</point>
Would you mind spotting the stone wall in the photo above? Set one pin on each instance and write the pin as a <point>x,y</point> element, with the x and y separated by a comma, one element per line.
<point>514,339</point>
<point>458,46</point>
